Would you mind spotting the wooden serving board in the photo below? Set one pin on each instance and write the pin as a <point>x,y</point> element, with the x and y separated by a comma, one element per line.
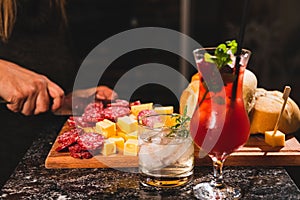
<point>255,153</point>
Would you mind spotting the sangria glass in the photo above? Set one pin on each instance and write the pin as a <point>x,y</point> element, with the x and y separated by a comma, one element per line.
<point>220,124</point>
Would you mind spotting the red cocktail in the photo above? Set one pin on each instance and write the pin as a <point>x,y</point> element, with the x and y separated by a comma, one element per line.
<point>220,124</point>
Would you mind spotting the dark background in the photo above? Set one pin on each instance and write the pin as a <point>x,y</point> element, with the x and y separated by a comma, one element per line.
<point>272,34</point>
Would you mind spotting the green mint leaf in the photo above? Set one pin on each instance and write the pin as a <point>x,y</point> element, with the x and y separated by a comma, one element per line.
<point>222,54</point>
<point>209,58</point>
<point>232,46</point>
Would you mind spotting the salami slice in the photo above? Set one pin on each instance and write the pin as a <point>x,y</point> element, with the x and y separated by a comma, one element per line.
<point>93,113</point>
<point>81,154</point>
<point>79,122</point>
<point>90,141</point>
<point>67,138</point>
<point>149,121</point>
<point>78,151</point>
<point>92,117</point>
<point>71,122</point>
<point>94,107</point>
<point>76,148</point>
<point>112,113</point>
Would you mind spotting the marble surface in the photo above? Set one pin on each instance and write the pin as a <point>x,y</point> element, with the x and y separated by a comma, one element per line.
<point>31,180</point>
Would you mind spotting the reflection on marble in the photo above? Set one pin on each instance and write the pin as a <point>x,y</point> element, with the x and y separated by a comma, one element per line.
<point>31,180</point>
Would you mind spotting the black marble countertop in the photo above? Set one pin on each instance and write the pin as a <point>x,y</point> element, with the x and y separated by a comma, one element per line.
<point>31,180</point>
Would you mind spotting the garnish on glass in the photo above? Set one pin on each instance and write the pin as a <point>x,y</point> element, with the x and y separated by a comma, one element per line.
<point>222,58</point>
<point>181,128</point>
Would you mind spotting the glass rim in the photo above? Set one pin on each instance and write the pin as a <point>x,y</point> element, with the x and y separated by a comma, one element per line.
<point>213,48</point>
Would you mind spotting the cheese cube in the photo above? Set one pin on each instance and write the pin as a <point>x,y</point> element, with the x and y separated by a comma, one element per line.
<point>108,148</point>
<point>119,141</point>
<point>122,134</point>
<point>164,110</point>
<point>133,116</point>
<point>127,124</point>
<point>106,128</point>
<point>275,140</point>
<point>131,147</point>
<point>133,135</point>
<point>135,109</point>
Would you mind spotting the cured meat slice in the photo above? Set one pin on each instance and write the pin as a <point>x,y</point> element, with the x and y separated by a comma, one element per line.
<point>119,103</point>
<point>78,151</point>
<point>71,122</point>
<point>95,106</point>
<point>93,113</point>
<point>90,141</point>
<point>76,148</point>
<point>81,155</point>
<point>114,112</point>
<point>92,117</point>
<point>79,122</point>
<point>67,139</point>
<point>149,121</point>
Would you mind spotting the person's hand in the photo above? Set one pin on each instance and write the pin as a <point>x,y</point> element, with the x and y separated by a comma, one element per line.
<point>105,93</point>
<point>77,100</point>
<point>100,92</point>
<point>26,91</point>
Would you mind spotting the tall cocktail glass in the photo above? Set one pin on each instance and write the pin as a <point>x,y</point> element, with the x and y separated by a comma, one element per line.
<point>220,123</point>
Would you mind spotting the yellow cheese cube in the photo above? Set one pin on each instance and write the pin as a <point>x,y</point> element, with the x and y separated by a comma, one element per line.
<point>135,109</point>
<point>127,124</point>
<point>133,135</point>
<point>119,141</point>
<point>164,110</point>
<point>275,140</point>
<point>133,116</point>
<point>131,147</point>
<point>106,128</point>
<point>122,134</point>
<point>108,148</point>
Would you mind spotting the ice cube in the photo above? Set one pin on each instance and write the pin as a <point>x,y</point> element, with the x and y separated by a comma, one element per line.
<point>164,152</point>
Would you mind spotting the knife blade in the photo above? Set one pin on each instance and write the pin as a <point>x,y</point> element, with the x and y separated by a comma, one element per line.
<point>64,110</point>
<point>74,103</point>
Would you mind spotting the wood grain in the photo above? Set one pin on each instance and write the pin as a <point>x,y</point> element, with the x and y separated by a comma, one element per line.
<point>255,153</point>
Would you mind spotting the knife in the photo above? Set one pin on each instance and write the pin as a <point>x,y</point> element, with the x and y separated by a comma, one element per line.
<point>66,108</point>
<point>74,103</point>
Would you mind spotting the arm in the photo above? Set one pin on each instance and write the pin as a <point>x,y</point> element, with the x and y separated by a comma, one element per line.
<point>28,92</point>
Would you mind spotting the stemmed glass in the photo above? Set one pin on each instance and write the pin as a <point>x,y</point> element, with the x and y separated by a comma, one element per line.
<point>220,124</point>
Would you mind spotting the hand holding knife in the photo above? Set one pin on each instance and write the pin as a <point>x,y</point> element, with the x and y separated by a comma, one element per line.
<point>80,98</point>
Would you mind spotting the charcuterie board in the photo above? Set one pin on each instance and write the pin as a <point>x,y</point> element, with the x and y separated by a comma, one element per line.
<point>255,153</point>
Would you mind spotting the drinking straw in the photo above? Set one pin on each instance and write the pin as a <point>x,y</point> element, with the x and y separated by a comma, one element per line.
<point>239,47</point>
<point>286,93</point>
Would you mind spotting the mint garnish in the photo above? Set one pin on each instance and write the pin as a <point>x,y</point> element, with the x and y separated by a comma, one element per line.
<point>222,54</point>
